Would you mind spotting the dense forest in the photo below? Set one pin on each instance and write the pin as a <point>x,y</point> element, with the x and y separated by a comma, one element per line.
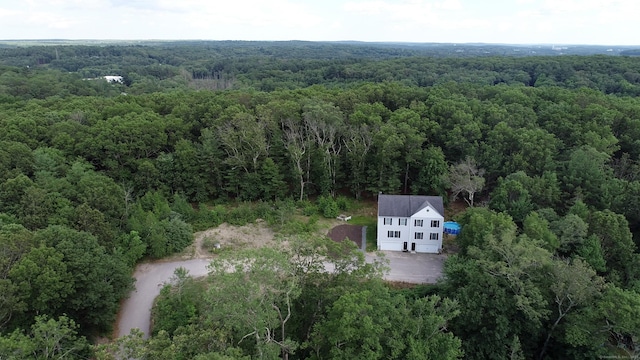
<point>96,176</point>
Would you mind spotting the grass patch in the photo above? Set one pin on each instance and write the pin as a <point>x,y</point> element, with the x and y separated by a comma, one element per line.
<point>372,224</point>
<point>372,241</point>
<point>363,220</point>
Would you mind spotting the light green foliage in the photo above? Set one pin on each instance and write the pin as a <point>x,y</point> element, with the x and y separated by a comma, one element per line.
<point>574,284</point>
<point>272,284</point>
<point>586,175</point>
<point>267,285</point>
<point>328,207</point>
<point>498,282</point>
<point>571,231</point>
<point>48,339</point>
<point>131,247</point>
<point>480,223</point>
<point>518,262</point>
<point>591,252</point>
<point>537,228</point>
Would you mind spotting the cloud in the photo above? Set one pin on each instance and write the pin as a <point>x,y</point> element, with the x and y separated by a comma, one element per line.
<point>450,5</point>
<point>51,20</point>
<point>8,12</point>
<point>213,14</point>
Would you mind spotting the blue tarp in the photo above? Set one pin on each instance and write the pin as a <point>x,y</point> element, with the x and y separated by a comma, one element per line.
<point>451,227</point>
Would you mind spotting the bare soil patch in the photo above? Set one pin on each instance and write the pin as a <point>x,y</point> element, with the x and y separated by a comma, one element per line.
<point>342,232</point>
<point>225,237</point>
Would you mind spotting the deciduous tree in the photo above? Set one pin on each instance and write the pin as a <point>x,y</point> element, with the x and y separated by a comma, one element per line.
<point>466,178</point>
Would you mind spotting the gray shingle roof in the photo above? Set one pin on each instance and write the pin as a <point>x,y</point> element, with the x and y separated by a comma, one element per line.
<point>407,205</point>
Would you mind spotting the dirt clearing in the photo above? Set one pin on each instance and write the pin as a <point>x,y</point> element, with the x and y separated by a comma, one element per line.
<point>225,237</point>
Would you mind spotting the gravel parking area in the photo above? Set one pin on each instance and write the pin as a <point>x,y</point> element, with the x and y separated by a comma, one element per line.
<point>413,268</point>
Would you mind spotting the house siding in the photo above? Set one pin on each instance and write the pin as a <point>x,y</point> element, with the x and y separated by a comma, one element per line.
<point>425,244</point>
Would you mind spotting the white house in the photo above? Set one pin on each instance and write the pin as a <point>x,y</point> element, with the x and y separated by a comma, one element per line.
<point>114,78</point>
<point>410,223</point>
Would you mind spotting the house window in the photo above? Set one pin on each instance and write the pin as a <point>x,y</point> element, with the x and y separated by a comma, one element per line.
<point>435,223</point>
<point>388,221</point>
<point>433,236</point>
<point>419,236</point>
<point>402,221</point>
<point>393,234</point>
<point>418,222</point>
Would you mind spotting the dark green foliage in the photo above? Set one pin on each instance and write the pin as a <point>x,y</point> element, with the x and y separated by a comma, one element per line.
<point>163,232</point>
<point>91,181</point>
<point>206,217</point>
<point>272,181</point>
<point>376,324</point>
<point>97,279</point>
<point>513,198</point>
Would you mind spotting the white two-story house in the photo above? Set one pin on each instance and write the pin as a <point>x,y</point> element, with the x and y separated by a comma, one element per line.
<point>410,223</point>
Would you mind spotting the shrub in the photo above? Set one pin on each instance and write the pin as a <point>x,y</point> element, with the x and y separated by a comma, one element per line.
<point>241,215</point>
<point>328,207</point>
<point>343,203</point>
<point>294,227</point>
<point>181,206</point>
<point>310,210</point>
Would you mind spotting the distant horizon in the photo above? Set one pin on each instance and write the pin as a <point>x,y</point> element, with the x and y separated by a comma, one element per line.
<point>316,41</point>
<point>526,22</point>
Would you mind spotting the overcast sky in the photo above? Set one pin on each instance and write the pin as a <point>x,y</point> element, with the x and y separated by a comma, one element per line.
<point>605,22</point>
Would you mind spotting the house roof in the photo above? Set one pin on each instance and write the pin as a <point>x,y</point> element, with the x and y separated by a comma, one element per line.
<point>407,205</point>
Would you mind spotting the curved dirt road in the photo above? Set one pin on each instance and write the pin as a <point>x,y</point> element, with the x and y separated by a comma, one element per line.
<point>150,277</point>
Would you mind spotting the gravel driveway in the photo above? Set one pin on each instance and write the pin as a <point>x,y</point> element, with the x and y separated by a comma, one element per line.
<point>150,277</point>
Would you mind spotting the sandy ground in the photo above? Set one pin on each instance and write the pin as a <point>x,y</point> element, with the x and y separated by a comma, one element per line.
<point>228,236</point>
<point>150,277</point>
